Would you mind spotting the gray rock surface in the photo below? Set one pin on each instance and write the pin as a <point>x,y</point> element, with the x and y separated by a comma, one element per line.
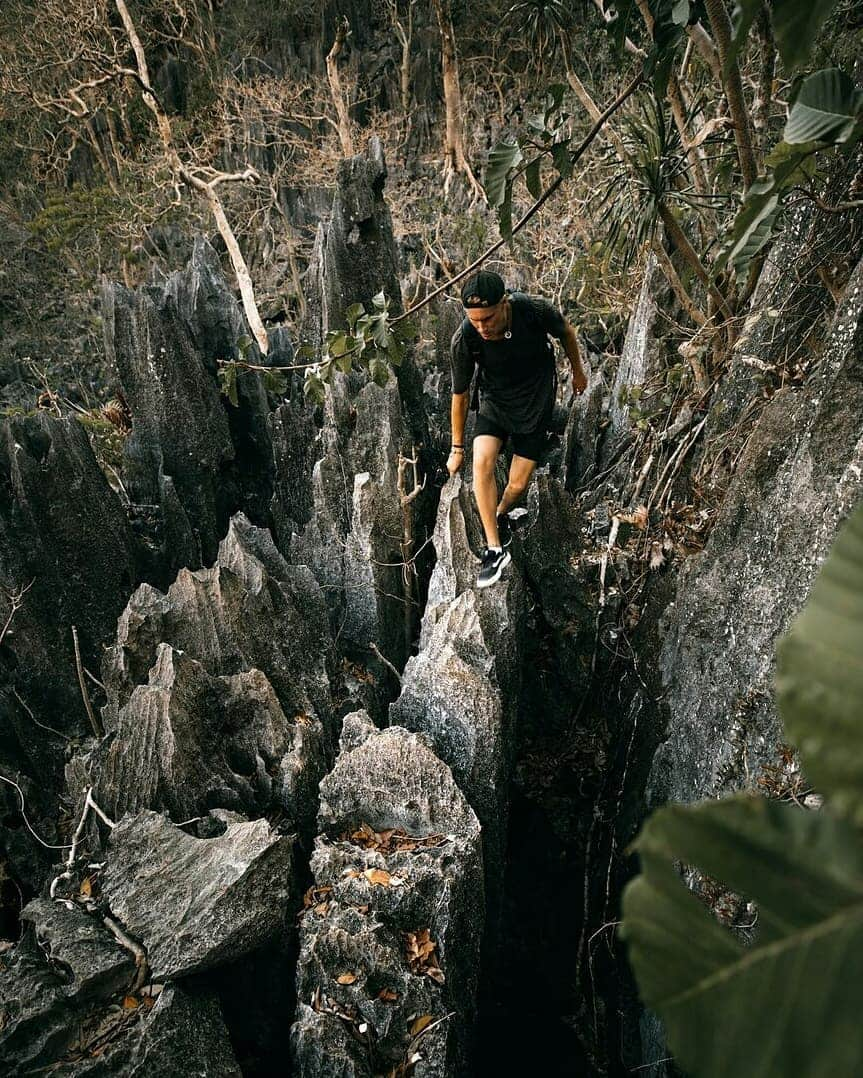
<point>183,1033</point>
<point>461,689</point>
<point>293,433</point>
<point>799,477</point>
<point>359,995</point>
<point>197,903</point>
<point>191,454</point>
<point>352,539</point>
<point>67,553</point>
<point>250,611</point>
<point>639,348</point>
<point>187,742</point>
<point>65,964</point>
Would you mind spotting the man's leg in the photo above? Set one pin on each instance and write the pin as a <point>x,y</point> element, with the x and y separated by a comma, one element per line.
<point>485,451</point>
<point>520,472</point>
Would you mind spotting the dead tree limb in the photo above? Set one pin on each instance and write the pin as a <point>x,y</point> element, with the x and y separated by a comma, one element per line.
<point>95,724</point>
<point>337,92</point>
<point>205,188</point>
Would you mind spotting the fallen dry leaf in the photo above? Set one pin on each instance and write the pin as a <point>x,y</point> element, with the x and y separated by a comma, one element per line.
<point>377,877</point>
<point>86,889</point>
<point>421,955</point>
<point>347,978</point>
<point>419,1024</point>
<point>129,1003</point>
<point>387,995</point>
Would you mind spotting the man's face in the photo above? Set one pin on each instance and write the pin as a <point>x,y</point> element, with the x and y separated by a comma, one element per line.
<point>489,322</point>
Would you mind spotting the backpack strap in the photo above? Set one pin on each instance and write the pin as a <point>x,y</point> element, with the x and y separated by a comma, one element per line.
<point>474,347</point>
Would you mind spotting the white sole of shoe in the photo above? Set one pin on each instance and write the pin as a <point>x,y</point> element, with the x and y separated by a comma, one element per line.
<point>507,558</point>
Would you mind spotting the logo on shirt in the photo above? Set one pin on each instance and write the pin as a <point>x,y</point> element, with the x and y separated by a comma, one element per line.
<point>476,301</point>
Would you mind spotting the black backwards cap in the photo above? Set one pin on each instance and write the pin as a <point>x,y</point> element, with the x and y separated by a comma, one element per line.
<point>484,289</point>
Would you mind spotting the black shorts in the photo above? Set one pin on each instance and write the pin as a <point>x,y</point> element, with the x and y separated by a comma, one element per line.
<point>531,446</point>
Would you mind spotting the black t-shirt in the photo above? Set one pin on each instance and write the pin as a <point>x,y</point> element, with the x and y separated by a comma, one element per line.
<point>517,388</point>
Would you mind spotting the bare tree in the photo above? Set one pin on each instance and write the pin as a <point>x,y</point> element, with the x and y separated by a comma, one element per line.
<point>206,188</point>
<point>454,155</point>
<point>334,78</point>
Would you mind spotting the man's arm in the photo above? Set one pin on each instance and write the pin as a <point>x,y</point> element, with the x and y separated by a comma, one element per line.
<point>573,353</point>
<point>458,415</point>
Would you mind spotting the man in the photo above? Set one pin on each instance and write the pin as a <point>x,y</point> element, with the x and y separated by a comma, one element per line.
<point>507,336</point>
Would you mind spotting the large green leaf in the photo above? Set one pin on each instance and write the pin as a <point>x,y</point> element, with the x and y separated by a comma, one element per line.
<point>502,159</point>
<point>788,1004</point>
<point>820,676</point>
<point>827,108</point>
<point>756,220</point>
<point>795,25</point>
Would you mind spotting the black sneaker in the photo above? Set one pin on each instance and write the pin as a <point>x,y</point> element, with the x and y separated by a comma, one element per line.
<point>504,531</point>
<point>493,564</point>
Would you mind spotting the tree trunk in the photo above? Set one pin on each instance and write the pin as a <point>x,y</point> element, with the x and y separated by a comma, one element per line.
<point>766,68</point>
<point>688,252</point>
<point>733,85</point>
<point>344,120</point>
<point>454,156</point>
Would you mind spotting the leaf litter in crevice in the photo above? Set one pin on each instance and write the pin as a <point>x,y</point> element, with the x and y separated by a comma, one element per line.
<point>394,840</point>
<point>421,955</point>
<point>317,900</point>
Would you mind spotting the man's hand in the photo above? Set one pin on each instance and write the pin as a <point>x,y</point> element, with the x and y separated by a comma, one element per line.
<point>454,461</point>
<point>579,380</point>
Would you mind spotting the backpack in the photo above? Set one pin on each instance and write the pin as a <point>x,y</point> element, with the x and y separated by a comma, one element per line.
<point>474,343</point>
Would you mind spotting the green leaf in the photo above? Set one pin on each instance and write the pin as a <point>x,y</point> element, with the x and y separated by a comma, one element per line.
<point>306,351</point>
<point>504,213</point>
<point>244,343</point>
<point>757,218</point>
<point>560,157</point>
<point>379,330</point>
<point>502,159</point>
<point>313,388</point>
<point>748,1011</point>
<point>532,178</point>
<point>355,311</point>
<point>275,382</point>
<point>228,382</point>
<point>337,343</point>
<point>379,370</point>
<point>380,301</point>
<point>554,98</point>
<point>795,25</point>
<point>619,26</point>
<point>827,108</point>
<point>820,676</point>
<point>395,351</point>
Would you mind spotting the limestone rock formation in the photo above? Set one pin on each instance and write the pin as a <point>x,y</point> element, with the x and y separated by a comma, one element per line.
<point>218,693</point>
<point>397,870</point>
<point>197,903</point>
<point>191,455</point>
<point>461,689</point>
<point>251,610</point>
<point>356,525</point>
<point>61,996</point>
<point>798,479</point>
<point>187,742</point>
<point>67,558</point>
